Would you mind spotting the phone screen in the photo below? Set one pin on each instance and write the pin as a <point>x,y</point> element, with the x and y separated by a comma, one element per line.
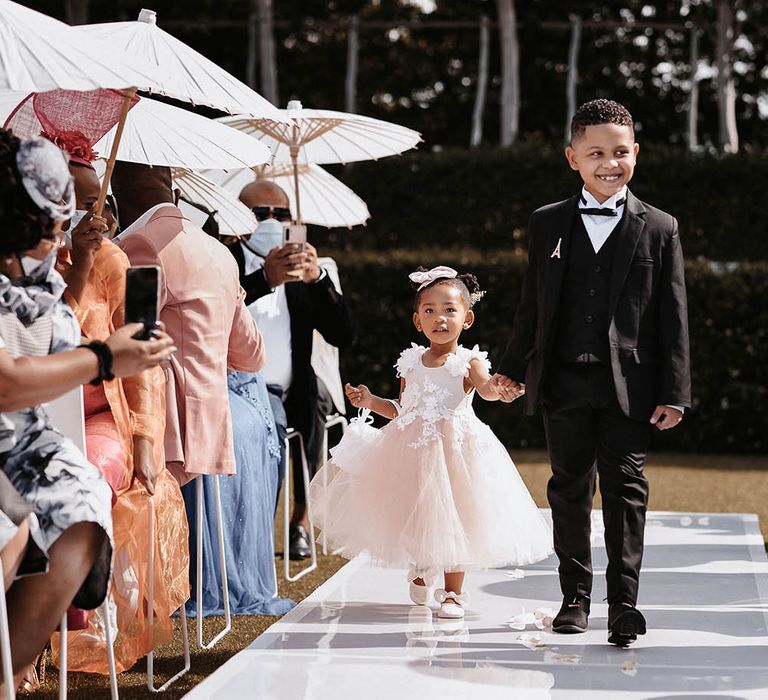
<point>142,293</point>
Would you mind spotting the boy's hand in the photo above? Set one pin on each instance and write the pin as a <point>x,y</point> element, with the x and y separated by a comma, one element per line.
<point>508,389</point>
<point>666,417</point>
<point>359,396</point>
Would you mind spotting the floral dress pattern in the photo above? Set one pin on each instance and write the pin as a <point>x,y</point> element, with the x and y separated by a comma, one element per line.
<point>44,467</point>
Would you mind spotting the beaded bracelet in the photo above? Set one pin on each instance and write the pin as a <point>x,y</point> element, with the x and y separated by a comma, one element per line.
<point>104,356</point>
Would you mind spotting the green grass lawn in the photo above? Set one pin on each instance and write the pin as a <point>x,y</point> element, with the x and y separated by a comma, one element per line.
<point>695,483</point>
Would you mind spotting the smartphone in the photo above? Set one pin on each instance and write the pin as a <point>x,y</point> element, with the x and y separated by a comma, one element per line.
<point>295,234</point>
<point>142,298</point>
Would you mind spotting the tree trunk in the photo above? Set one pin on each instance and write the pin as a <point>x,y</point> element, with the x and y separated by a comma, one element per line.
<point>693,95</point>
<point>77,11</point>
<point>573,74</point>
<point>726,89</point>
<point>476,135</point>
<point>350,81</point>
<point>510,72</point>
<point>267,59</point>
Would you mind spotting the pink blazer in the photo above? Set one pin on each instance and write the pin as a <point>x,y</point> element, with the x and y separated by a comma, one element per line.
<point>202,306</point>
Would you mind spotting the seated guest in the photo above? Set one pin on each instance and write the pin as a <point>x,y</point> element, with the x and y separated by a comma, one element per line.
<point>202,306</point>
<point>124,432</point>
<point>248,500</point>
<point>288,309</point>
<point>71,546</point>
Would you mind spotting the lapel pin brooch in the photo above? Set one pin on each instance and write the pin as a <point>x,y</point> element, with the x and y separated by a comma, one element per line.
<point>556,251</point>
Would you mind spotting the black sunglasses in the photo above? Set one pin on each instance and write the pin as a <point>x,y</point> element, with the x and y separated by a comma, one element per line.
<point>279,213</point>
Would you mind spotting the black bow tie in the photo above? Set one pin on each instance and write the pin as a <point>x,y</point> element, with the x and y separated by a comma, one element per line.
<point>600,211</point>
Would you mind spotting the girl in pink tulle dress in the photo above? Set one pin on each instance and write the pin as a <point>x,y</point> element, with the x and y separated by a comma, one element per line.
<point>434,490</point>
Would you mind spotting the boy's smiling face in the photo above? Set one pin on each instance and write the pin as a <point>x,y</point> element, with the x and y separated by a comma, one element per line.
<point>605,156</point>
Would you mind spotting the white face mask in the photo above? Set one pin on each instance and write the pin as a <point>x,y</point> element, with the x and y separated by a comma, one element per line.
<point>35,267</point>
<point>268,235</point>
<point>77,217</point>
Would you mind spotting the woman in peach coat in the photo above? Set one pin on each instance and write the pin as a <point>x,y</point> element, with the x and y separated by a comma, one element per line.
<point>125,426</point>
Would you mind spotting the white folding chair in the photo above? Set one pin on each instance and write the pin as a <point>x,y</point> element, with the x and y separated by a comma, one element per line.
<point>184,630</point>
<point>222,564</point>
<point>5,650</point>
<point>296,435</point>
<point>330,422</point>
<point>110,654</point>
<point>67,413</point>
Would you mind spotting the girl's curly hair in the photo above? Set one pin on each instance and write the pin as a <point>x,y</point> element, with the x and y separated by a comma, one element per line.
<point>465,282</point>
<point>24,224</point>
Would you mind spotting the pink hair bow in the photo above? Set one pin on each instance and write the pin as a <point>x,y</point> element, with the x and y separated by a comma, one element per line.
<point>429,276</point>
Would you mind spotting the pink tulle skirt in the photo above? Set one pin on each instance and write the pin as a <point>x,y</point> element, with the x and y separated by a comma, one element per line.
<point>456,503</point>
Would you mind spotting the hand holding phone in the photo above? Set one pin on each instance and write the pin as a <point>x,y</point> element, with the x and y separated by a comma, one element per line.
<point>142,298</point>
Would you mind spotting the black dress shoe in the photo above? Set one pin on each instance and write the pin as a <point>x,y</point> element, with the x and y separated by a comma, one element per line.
<point>625,622</point>
<point>298,543</point>
<point>573,615</point>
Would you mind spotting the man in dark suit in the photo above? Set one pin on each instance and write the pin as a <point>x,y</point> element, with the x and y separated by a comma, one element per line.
<point>600,341</point>
<point>290,297</point>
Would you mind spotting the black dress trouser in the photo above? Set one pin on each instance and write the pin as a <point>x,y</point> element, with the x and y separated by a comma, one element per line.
<point>588,435</point>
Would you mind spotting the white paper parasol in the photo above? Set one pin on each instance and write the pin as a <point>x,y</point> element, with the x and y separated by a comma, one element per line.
<point>160,134</point>
<point>324,136</point>
<point>325,200</point>
<point>232,216</point>
<point>39,53</point>
<point>180,71</point>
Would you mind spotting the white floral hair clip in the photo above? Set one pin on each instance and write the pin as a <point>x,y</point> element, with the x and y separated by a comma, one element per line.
<point>425,277</point>
<point>474,297</point>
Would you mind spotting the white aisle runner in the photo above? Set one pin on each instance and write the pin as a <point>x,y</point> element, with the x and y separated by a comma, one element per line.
<point>703,589</point>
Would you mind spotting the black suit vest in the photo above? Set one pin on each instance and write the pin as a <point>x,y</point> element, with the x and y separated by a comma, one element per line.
<point>582,325</point>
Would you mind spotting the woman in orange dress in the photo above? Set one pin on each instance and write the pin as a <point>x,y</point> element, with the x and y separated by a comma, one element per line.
<point>124,427</point>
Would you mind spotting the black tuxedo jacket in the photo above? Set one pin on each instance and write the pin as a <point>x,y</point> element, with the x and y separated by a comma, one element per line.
<point>648,331</point>
<point>311,306</point>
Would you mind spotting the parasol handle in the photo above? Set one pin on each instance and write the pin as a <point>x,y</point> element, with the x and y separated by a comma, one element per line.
<point>294,159</point>
<point>128,95</point>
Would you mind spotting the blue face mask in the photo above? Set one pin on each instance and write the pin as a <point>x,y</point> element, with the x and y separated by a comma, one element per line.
<point>268,235</point>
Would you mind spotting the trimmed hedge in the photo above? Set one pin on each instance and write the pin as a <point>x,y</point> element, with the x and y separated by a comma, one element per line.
<point>483,198</point>
<point>728,325</point>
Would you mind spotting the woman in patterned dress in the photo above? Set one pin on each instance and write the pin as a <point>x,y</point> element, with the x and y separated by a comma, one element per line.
<point>71,546</point>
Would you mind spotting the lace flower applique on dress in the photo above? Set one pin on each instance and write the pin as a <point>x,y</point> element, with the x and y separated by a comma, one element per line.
<point>409,358</point>
<point>458,362</point>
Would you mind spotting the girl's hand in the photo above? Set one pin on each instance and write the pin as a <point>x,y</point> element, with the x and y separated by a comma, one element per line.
<point>359,396</point>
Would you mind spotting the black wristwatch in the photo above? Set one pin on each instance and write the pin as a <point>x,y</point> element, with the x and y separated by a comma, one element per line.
<point>104,355</point>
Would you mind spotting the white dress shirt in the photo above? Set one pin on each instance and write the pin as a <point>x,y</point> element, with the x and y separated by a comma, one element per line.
<point>599,228</point>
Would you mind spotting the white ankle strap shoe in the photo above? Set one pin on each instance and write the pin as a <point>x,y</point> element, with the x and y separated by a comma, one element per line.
<point>451,604</point>
<point>420,595</point>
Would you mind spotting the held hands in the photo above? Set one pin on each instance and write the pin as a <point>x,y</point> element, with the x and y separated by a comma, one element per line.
<point>282,264</point>
<point>87,239</point>
<point>666,417</point>
<point>508,389</point>
<point>131,356</point>
<point>359,396</point>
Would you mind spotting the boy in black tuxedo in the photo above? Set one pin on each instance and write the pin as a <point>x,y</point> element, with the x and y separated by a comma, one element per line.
<point>600,340</point>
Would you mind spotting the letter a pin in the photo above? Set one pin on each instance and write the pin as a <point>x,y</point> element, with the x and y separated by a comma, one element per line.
<point>556,251</point>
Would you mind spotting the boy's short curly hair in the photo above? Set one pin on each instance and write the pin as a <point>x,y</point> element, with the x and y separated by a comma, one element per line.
<point>24,223</point>
<point>600,111</point>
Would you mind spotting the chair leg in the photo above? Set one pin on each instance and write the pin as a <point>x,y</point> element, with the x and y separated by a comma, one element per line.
<point>287,506</point>
<point>110,651</point>
<point>184,630</point>
<point>63,658</point>
<point>329,423</point>
<point>222,564</point>
<point>5,650</point>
